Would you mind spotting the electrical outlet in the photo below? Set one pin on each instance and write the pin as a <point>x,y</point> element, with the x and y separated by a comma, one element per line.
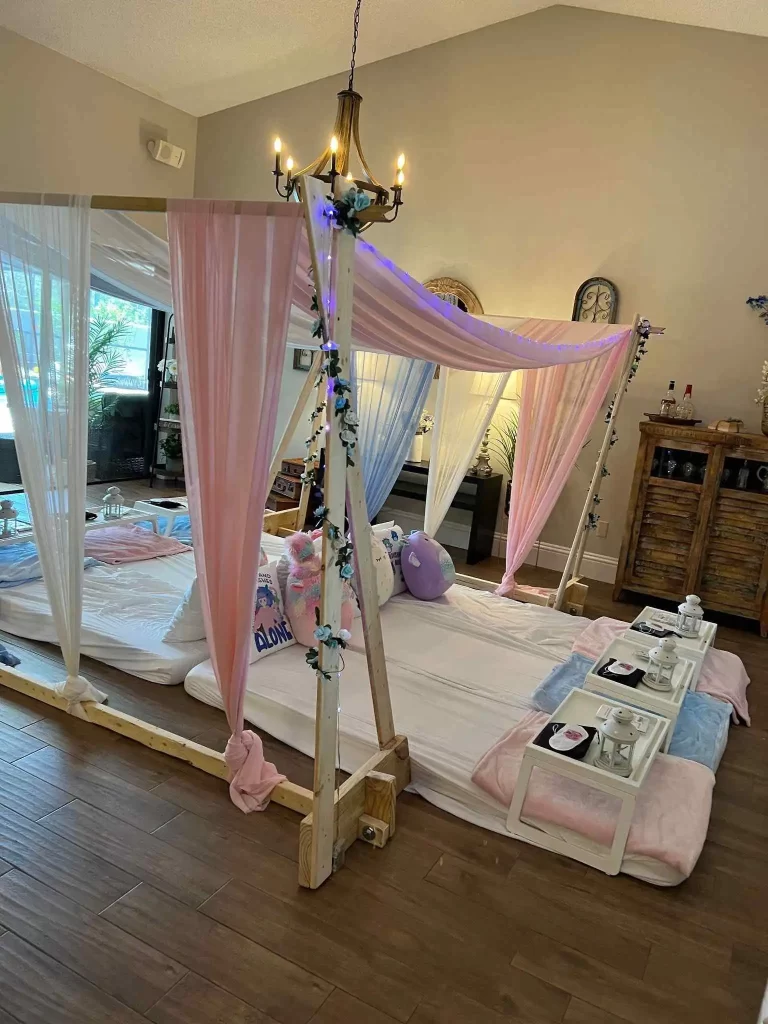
<point>602,528</point>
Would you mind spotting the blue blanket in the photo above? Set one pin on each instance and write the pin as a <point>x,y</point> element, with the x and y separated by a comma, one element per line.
<point>701,732</point>
<point>19,564</point>
<point>181,531</point>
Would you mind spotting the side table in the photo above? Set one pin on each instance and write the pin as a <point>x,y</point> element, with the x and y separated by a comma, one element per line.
<point>580,707</point>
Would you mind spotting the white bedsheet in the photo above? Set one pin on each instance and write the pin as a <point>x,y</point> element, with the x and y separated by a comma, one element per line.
<point>461,672</point>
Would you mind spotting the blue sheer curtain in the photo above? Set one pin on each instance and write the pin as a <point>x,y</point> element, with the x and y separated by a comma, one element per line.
<point>390,393</point>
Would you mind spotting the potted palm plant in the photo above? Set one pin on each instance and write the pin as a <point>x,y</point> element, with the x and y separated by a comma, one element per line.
<point>503,444</point>
<point>105,360</point>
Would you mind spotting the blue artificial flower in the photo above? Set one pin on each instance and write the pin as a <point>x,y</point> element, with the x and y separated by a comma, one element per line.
<point>321,512</point>
<point>362,201</point>
<point>342,382</point>
<point>340,402</point>
<point>346,572</point>
<point>322,633</point>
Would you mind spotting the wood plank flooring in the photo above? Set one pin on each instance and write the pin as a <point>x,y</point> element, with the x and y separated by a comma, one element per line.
<point>132,890</point>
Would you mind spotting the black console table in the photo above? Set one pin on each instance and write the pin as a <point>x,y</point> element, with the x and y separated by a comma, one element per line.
<point>482,502</point>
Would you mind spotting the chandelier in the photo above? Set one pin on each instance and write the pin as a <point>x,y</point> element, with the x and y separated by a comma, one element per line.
<point>335,158</point>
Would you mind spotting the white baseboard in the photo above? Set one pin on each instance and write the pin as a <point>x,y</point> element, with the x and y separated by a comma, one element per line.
<point>548,556</point>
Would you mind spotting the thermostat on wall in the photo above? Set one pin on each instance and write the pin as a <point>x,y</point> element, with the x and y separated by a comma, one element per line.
<point>165,153</point>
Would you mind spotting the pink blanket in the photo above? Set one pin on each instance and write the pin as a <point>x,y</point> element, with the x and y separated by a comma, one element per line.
<point>671,813</point>
<point>118,544</point>
<point>722,674</point>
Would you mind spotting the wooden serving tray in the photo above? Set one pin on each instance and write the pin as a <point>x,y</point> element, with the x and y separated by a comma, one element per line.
<point>655,417</point>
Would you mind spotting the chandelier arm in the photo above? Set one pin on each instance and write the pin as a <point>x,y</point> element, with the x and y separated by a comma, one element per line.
<point>359,148</point>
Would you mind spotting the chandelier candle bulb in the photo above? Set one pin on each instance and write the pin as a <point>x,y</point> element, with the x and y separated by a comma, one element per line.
<point>278,149</point>
<point>289,165</point>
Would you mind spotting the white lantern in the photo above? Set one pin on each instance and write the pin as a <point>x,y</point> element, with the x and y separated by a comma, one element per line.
<point>8,519</point>
<point>112,503</point>
<point>618,737</point>
<point>690,616</point>
<point>662,660</point>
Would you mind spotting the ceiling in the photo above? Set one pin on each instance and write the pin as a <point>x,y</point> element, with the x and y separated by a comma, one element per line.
<point>205,55</point>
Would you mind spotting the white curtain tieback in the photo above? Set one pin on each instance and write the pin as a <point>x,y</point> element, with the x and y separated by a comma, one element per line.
<point>78,689</point>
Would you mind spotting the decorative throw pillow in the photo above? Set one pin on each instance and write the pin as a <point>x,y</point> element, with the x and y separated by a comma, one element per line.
<point>187,623</point>
<point>382,568</point>
<point>302,590</point>
<point>271,629</point>
<point>392,538</point>
<point>427,567</point>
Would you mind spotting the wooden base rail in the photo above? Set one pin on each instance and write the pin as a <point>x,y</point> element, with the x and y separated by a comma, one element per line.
<point>364,804</point>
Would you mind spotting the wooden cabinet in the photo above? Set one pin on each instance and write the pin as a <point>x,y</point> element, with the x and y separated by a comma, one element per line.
<point>698,519</point>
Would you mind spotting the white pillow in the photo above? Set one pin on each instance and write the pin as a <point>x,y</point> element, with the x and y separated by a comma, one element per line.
<point>392,538</point>
<point>271,628</point>
<point>382,570</point>
<point>187,623</point>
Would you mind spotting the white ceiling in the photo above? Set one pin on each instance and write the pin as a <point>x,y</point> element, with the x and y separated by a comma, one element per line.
<point>205,55</point>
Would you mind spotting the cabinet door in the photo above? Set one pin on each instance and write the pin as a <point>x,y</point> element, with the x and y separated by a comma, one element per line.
<point>671,519</point>
<point>735,566</point>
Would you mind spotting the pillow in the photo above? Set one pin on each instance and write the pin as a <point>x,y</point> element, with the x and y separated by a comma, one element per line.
<point>271,629</point>
<point>427,566</point>
<point>187,623</point>
<point>382,570</point>
<point>118,544</point>
<point>392,538</point>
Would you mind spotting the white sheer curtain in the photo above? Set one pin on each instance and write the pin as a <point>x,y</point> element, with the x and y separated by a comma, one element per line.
<point>129,261</point>
<point>465,404</point>
<point>44,319</point>
<point>390,395</point>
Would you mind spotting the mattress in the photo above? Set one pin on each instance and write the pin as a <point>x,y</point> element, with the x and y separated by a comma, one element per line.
<point>126,611</point>
<point>461,672</point>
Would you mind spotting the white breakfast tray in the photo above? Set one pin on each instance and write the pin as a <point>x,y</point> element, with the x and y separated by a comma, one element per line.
<point>581,707</point>
<point>690,647</point>
<point>642,696</point>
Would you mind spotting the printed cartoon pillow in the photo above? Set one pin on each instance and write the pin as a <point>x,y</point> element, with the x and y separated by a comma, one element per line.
<point>427,567</point>
<point>271,629</point>
<point>391,537</point>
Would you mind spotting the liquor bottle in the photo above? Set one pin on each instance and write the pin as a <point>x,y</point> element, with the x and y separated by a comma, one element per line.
<point>685,410</point>
<point>669,402</point>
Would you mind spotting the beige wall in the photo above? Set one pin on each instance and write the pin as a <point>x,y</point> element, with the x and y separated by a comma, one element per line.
<point>551,148</point>
<point>67,128</point>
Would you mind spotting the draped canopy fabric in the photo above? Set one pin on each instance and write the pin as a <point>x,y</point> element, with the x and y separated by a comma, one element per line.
<point>465,404</point>
<point>558,406</point>
<point>129,261</point>
<point>44,322</point>
<point>390,395</point>
<point>231,268</point>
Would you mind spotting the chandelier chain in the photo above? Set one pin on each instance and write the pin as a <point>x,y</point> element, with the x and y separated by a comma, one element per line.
<point>354,45</point>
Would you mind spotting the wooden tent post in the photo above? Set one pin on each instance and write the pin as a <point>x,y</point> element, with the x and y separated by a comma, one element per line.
<point>576,553</point>
<point>310,385</point>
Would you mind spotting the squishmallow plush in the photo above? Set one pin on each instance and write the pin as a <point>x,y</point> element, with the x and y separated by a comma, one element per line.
<point>427,567</point>
<point>302,589</point>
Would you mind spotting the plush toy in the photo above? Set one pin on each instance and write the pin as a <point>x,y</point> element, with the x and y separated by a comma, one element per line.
<point>302,590</point>
<point>427,567</point>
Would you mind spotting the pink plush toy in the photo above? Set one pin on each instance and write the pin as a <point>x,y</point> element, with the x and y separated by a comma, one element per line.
<point>302,591</point>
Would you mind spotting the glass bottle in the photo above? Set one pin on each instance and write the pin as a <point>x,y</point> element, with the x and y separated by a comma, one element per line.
<point>685,410</point>
<point>668,405</point>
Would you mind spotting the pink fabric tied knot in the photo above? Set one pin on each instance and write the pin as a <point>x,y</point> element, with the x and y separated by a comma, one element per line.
<point>251,778</point>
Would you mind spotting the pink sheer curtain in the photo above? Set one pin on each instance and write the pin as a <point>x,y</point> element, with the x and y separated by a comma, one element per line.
<point>232,271</point>
<point>558,406</point>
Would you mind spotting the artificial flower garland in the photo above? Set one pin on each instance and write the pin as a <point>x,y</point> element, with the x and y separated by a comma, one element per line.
<point>325,636</point>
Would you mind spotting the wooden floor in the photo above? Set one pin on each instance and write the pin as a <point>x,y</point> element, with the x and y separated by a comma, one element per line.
<point>131,890</point>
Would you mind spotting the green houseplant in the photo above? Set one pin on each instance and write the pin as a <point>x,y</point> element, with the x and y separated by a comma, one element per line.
<point>171,448</point>
<point>503,444</point>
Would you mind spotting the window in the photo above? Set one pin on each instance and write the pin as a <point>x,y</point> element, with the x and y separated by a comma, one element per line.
<point>129,324</point>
